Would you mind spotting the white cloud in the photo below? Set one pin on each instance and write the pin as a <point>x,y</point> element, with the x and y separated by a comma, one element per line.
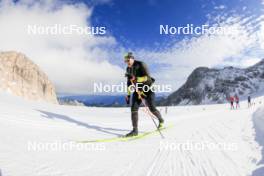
<point>207,50</point>
<point>220,7</point>
<point>72,62</point>
<point>260,33</point>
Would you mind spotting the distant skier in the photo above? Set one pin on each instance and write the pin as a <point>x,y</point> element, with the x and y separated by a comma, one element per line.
<point>138,74</point>
<point>249,101</point>
<point>237,101</point>
<point>166,110</point>
<point>232,99</point>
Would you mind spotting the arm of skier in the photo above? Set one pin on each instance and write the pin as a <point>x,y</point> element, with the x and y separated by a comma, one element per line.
<point>129,84</point>
<point>145,72</point>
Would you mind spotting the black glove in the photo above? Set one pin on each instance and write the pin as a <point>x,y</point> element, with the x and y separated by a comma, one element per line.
<point>128,75</point>
<point>128,99</point>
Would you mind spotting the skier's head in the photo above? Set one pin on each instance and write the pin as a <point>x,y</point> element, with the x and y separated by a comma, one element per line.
<point>129,59</point>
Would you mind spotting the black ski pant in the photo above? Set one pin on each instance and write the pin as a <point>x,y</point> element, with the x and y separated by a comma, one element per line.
<point>150,102</point>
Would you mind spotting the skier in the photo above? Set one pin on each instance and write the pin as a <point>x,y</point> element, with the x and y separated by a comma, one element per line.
<point>232,102</point>
<point>138,74</point>
<point>249,101</point>
<point>166,110</point>
<point>237,101</point>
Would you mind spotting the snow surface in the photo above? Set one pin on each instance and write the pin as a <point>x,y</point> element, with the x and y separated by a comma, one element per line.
<point>25,125</point>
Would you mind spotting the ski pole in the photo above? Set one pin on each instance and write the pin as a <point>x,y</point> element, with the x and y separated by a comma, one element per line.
<point>151,115</point>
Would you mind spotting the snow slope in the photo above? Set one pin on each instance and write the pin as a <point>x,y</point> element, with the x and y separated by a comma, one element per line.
<point>207,140</point>
<point>258,119</point>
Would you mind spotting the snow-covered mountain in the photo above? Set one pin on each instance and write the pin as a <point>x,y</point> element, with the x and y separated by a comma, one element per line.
<point>206,86</point>
<point>97,100</point>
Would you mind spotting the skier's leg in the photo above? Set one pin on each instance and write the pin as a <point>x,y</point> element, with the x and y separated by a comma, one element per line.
<point>134,110</point>
<point>150,100</point>
<point>134,114</point>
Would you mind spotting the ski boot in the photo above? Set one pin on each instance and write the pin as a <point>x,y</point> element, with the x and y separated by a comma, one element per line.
<point>134,132</point>
<point>161,121</point>
<point>161,124</point>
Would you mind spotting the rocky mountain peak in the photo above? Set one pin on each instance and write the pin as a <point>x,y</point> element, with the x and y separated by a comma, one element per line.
<point>21,77</point>
<point>207,86</point>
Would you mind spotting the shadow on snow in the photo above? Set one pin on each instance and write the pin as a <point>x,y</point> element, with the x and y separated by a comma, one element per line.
<point>107,130</point>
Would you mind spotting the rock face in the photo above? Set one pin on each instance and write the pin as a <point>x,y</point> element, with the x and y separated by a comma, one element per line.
<point>21,77</point>
<point>208,86</point>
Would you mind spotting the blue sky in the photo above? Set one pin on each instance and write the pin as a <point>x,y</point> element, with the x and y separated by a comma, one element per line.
<point>135,26</point>
<point>132,25</point>
<point>135,23</point>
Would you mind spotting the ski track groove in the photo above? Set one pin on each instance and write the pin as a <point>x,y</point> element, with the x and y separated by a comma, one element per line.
<point>212,133</point>
<point>153,161</point>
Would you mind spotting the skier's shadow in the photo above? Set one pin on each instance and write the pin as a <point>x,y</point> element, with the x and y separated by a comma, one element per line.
<point>51,115</point>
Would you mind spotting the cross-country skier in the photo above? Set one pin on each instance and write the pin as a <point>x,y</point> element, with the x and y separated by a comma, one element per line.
<point>166,110</point>
<point>249,101</point>
<point>232,99</point>
<point>237,101</point>
<point>138,75</point>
